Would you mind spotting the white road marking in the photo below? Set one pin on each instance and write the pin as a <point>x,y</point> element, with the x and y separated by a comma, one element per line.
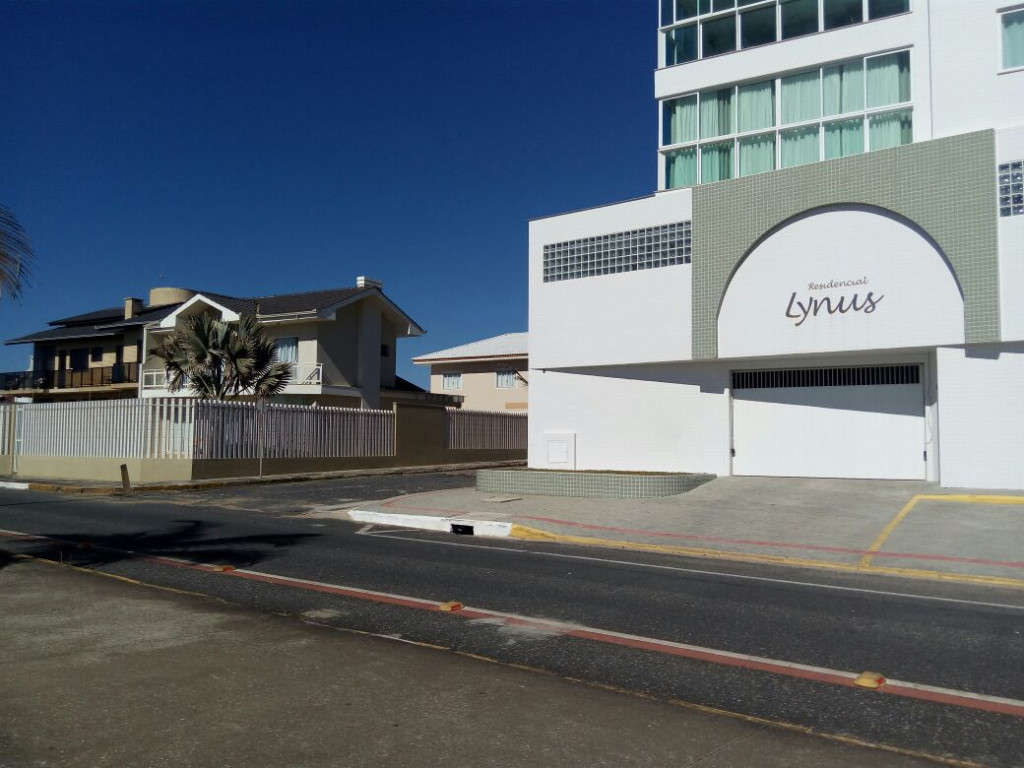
<point>739,576</point>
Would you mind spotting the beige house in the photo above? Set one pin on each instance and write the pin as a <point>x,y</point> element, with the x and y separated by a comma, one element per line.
<point>490,374</point>
<point>341,341</point>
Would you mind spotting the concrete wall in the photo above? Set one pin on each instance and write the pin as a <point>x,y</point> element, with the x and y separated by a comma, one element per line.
<point>480,384</point>
<point>981,416</point>
<point>1010,148</point>
<point>108,470</point>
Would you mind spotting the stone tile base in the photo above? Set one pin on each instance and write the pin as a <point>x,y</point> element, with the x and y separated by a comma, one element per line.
<point>609,485</point>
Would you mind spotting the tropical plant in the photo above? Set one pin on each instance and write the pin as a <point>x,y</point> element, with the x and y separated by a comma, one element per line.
<point>16,255</point>
<point>220,360</point>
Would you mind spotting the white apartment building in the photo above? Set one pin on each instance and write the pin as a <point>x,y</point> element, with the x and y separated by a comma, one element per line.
<point>829,281</point>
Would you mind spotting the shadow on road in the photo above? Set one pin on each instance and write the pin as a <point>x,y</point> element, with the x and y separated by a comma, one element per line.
<point>186,539</point>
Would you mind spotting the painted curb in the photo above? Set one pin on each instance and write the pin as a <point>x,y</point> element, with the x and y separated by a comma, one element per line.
<point>491,528</point>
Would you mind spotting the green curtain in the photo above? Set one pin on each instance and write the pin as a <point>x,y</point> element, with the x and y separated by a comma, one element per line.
<point>716,113</point>
<point>716,162</point>
<point>801,97</point>
<point>756,106</point>
<point>889,79</point>
<point>681,120</point>
<point>757,154</point>
<point>681,168</point>
<point>843,88</point>
<point>844,139</point>
<point>890,130</point>
<point>1013,39</point>
<point>799,146</point>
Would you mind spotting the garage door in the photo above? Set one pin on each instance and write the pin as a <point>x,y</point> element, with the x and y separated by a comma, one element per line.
<point>860,422</point>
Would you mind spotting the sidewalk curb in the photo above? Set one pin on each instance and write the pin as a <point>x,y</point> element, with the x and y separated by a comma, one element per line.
<point>457,525</point>
<point>198,485</point>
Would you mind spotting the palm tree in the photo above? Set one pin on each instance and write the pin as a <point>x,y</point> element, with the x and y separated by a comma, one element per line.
<point>218,360</point>
<point>16,255</point>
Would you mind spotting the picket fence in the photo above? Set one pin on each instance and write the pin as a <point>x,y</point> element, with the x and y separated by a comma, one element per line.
<point>184,428</point>
<point>469,430</point>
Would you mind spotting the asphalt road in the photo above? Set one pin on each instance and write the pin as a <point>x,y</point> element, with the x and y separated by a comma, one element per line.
<point>955,636</point>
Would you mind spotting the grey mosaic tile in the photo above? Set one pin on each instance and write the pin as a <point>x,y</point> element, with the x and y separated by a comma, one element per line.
<point>586,484</point>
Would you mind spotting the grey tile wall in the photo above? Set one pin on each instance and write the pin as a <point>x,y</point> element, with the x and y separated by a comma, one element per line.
<point>612,485</point>
<point>945,186</point>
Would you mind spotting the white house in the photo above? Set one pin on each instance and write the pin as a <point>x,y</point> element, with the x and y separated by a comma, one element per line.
<point>827,282</point>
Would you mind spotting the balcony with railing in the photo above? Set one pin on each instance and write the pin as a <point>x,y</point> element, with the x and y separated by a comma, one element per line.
<point>303,375</point>
<point>122,373</point>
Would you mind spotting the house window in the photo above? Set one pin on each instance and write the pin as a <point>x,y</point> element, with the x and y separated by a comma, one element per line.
<point>288,349</point>
<point>96,355</point>
<point>451,381</point>
<point>79,359</point>
<point>1013,39</point>
<point>834,111</point>
<point>506,379</point>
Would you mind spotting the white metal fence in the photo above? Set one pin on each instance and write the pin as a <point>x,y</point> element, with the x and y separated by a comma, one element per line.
<point>6,411</point>
<point>160,428</point>
<point>483,430</point>
<point>232,431</point>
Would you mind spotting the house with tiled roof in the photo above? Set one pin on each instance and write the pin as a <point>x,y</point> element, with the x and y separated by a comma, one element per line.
<point>490,374</point>
<point>341,341</point>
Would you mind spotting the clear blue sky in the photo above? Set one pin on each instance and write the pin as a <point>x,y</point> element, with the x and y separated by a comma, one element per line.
<point>252,148</point>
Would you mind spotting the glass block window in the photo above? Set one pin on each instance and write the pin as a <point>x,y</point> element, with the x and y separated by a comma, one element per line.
<point>637,249</point>
<point>1011,188</point>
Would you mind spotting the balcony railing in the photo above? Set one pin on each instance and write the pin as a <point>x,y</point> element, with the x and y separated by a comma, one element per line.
<point>122,373</point>
<point>303,375</point>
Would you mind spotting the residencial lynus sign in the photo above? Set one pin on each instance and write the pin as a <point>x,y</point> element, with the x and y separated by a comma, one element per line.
<point>840,279</point>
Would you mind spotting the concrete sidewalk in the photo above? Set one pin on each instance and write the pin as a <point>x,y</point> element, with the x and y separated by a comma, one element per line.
<point>883,527</point>
<point>100,672</point>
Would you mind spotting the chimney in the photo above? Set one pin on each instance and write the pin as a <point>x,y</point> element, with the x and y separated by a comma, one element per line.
<point>368,282</point>
<point>132,307</point>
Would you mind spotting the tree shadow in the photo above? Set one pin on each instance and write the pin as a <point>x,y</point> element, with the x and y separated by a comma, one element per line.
<point>186,540</point>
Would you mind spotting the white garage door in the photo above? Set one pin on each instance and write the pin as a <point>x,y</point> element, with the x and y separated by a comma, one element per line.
<point>860,422</point>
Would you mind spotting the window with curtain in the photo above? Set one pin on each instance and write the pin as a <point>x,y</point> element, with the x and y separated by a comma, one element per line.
<point>799,17</point>
<point>843,88</point>
<point>451,381</point>
<point>878,9</point>
<point>757,27</point>
<point>757,154</point>
<point>718,36</point>
<point>681,45</point>
<point>680,120</point>
<point>841,13</point>
<point>505,379</point>
<point>667,12</point>
<point>756,106</point>
<point>888,79</point>
<point>844,138</point>
<point>890,130</point>
<point>686,9</point>
<point>799,146</point>
<point>801,97</point>
<point>288,349</point>
<point>716,113</point>
<point>1013,39</point>
<point>681,168</point>
<point>716,162</point>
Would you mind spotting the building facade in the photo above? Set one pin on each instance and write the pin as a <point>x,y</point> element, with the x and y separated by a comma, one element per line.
<point>827,282</point>
<point>489,375</point>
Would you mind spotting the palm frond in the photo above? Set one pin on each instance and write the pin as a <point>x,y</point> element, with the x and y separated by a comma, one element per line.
<point>16,255</point>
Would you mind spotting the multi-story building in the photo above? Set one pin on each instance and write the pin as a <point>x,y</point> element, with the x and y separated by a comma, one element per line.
<point>827,281</point>
<point>489,374</point>
<point>341,343</point>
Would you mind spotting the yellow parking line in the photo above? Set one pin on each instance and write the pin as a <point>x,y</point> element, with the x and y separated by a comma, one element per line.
<point>887,531</point>
<point>535,534</point>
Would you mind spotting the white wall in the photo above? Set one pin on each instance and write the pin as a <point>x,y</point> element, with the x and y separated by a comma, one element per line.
<point>1010,147</point>
<point>981,417</point>
<point>969,93</point>
<point>670,418</point>
<point>631,317</point>
<point>905,291</point>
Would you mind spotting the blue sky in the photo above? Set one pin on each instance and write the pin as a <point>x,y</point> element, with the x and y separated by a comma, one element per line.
<point>252,148</point>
